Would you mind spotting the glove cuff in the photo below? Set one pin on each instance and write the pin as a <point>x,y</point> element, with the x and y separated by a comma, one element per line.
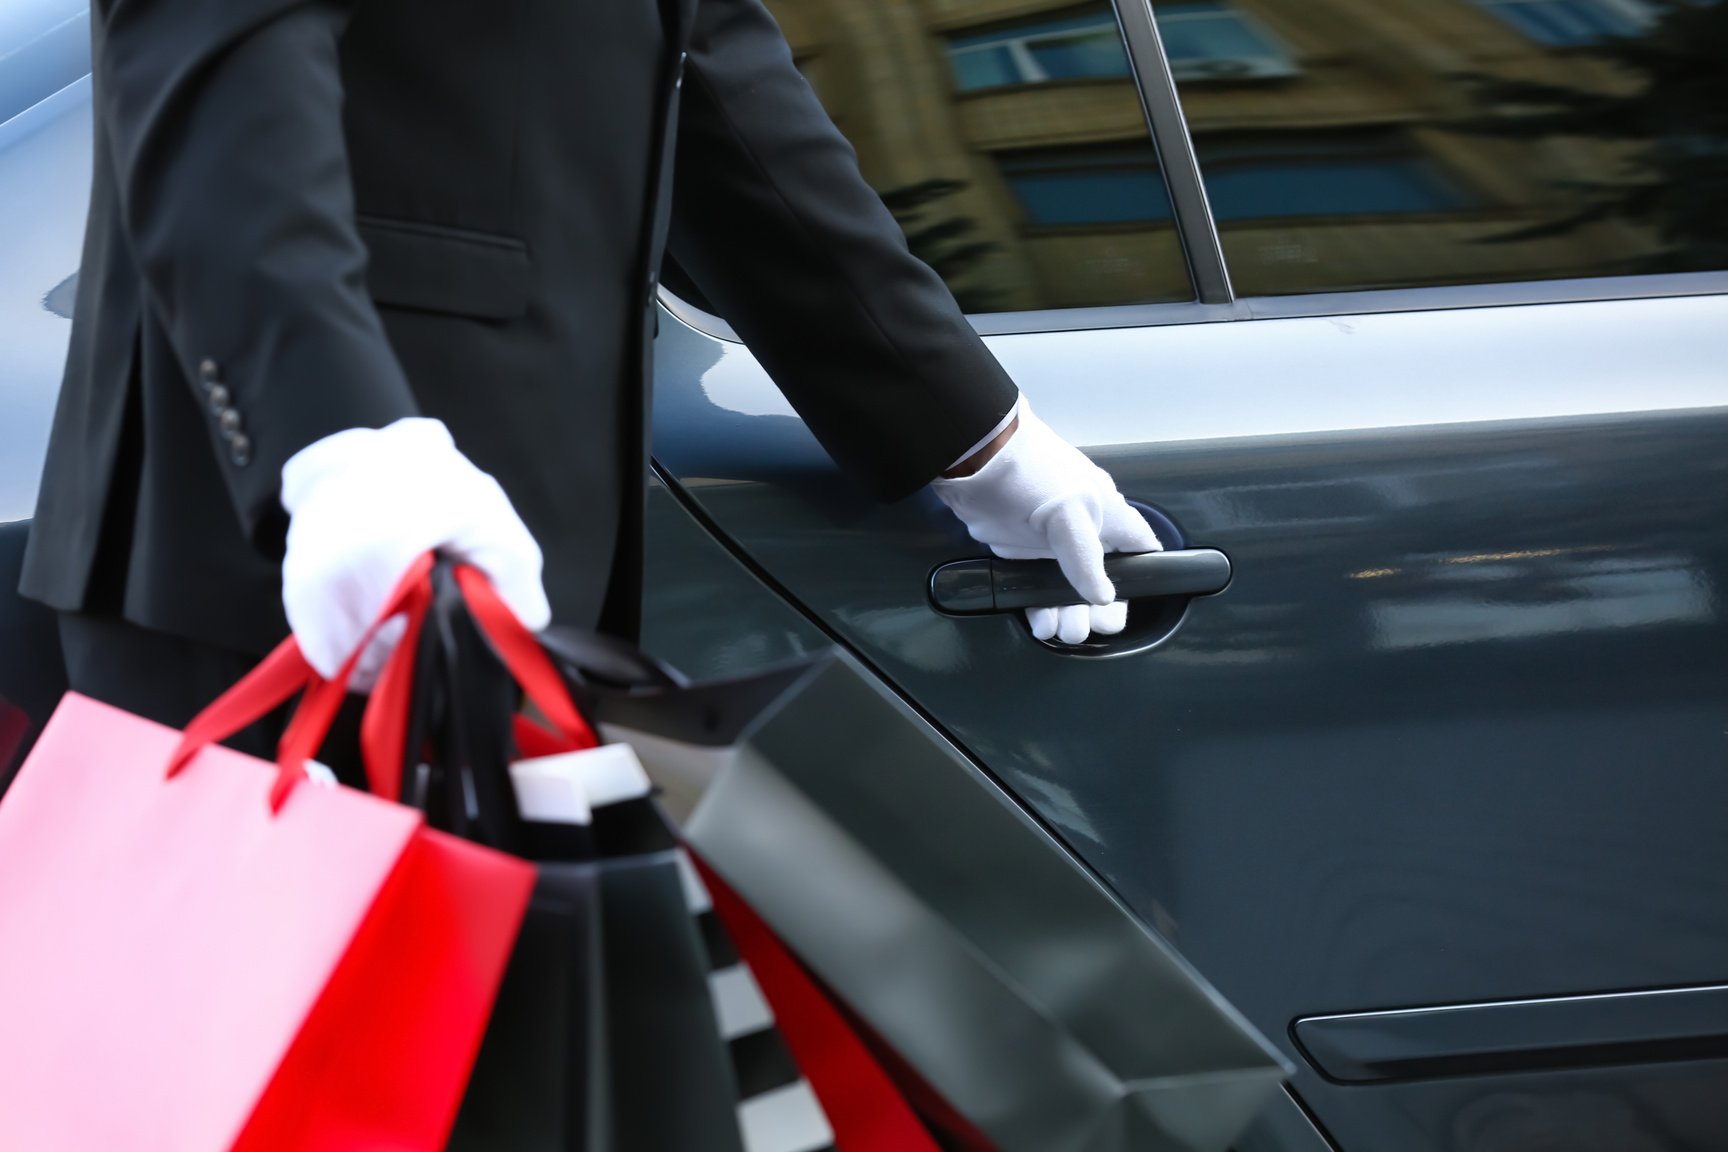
<point>1001,426</point>
<point>1031,469</point>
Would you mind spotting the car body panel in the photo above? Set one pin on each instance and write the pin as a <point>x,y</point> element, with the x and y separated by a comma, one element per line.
<point>1454,732</point>
<point>44,193</point>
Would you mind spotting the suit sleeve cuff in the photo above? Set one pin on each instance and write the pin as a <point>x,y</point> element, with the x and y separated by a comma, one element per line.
<point>1001,427</point>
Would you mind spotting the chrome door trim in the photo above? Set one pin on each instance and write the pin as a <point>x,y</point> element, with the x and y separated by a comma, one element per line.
<point>1544,1034</point>
<point>1157,87</point>
<point>1447,298</point>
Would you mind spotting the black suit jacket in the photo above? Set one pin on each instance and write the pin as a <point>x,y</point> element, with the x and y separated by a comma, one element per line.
<point>310,215</point>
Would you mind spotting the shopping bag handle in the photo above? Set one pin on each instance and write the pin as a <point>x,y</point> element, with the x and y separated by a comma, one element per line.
<point>286,672</point>
<point>384,724</point>
<point>527,661</point>
<point>383,728</point>
<point>391,694</point>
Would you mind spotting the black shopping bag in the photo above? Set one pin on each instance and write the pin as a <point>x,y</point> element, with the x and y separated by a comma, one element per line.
<point>540,1081</point>
<point>607,1033</point>
<point>988,960</point>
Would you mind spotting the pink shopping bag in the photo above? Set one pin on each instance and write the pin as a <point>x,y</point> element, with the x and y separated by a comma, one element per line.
<point>230,958</point>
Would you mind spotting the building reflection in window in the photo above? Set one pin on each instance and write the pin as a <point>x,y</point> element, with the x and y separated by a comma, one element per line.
<point>1009,139</point>
<point>1256,177</point>
<point>1493,140</point>
<point>1345,144</point>
<point>1563,22</point>
<point>1210,40</point>
<point>1084,186</point>
<point>1030,54</point>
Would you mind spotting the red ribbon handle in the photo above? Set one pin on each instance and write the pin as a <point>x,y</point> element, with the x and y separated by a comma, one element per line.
<point>526,659</point>
<point>284,673</point>
<point>384,728</point>
<point>384,725</point>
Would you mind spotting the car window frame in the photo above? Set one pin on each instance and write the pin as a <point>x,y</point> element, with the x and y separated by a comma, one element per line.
<point>1197,230</point>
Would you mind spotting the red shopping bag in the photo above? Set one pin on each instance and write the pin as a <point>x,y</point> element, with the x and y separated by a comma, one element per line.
<point>230,958</point>
<point>866,1108</point>
<point>14,726</point>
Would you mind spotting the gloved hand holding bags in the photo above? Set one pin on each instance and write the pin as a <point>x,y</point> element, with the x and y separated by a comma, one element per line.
<point>363,504</point>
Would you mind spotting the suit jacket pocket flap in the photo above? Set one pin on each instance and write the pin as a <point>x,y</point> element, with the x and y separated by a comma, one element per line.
<point>441,269</point>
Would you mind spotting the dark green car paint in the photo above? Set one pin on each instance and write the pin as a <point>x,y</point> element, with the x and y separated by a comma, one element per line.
<point>1456,733</point>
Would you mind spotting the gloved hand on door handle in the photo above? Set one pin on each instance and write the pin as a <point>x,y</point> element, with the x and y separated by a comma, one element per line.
<point>1039,497</point>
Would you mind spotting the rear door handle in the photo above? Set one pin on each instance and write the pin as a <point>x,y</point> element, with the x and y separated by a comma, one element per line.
<point>991,584</point>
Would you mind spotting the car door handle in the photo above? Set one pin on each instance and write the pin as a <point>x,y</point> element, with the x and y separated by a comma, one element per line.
<point>991,584</point>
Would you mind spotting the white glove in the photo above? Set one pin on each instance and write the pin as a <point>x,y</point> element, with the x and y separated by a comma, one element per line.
<point>1039,497</point>
<point>363,504</point>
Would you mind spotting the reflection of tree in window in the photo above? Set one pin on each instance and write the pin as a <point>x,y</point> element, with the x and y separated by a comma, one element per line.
<point>1676,117</point>
<point>948,243</point>
<point>1247,178</point>
<point>1563,22</point>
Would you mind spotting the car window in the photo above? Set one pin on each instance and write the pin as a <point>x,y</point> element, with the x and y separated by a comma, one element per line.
<point>1013,148</point>
<point>1356,144</point>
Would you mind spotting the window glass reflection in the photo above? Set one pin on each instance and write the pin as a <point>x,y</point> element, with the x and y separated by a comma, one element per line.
<point>1008,138</point>
<point>1085,186</point>
<point>1213,40</point>
<point>1356,144</point>
<point>1573,21</point>
<point>1363,174</point>
<point>1047,50</point>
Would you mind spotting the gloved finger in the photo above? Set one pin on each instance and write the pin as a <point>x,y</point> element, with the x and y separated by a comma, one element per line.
<point>1125,530</point>
<point>1073,535</point>
<point>520,587</point>
<point>497,542</point>
<point>1109,619</point>
<point>370,666</point>
<point>1016,552</point>
<point>333,590</point>
<point>1042,621</point>
<point>1073,623</point>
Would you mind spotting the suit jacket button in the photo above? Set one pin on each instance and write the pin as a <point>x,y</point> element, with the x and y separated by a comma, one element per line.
<point>219,398</point>
<point>209,371</point>
<point>229,421</point>
<point>240,451</point>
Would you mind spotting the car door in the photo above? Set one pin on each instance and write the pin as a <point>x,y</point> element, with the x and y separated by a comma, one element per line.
<point>1415,311</point>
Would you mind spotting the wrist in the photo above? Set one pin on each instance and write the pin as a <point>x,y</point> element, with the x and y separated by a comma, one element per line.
<point>983,455</point>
